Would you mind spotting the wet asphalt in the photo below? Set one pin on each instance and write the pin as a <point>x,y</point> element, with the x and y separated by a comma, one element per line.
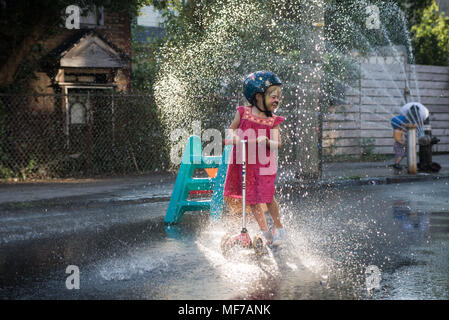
<point>335,237</point>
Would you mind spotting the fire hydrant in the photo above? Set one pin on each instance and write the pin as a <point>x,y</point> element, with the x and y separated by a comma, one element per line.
<point>425,149</point>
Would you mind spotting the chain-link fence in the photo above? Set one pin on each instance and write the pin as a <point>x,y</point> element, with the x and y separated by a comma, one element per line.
<point>86,133</point>
<point>79,134</point>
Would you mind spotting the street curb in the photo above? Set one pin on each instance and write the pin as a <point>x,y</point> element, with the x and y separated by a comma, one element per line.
<point>94,202</point>
<point>331,184</point>
<point>71,202</point>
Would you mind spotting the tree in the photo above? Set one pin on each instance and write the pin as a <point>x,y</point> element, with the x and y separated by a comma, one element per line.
<point>431,37</point>
<point>414,10</point>
<point>176,13</point>
<point>25,22</point>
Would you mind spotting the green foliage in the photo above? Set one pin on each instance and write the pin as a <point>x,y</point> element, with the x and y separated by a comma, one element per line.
<point>431,38</point>
<point>34,145</point>
<point>144,62</point>
<point>340,72</point>
<point>6,173</point>
<point>367,146</point>
<point>29,170</point>
<point>5,157</point>
<point>414,10</point>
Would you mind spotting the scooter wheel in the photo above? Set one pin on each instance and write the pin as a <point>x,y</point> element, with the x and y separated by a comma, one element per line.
<point>225,244</point>
<point>258,245</point>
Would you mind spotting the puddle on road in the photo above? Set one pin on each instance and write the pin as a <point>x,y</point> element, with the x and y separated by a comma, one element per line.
<point>332,239</point>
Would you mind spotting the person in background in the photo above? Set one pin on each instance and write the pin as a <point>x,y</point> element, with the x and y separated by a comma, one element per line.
<point>399,124</point>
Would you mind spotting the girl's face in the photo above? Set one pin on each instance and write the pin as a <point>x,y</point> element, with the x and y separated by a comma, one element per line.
<point>273,97</point>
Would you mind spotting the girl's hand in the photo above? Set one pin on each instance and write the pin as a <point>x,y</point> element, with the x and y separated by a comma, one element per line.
<point>231,140</point>
<point>262,139</point>
<point>227,142</point>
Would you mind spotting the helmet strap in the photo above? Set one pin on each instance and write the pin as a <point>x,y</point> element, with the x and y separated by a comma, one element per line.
<point>267,113</point>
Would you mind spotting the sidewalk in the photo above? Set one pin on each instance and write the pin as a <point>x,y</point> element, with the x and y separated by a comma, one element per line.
<point>158,187</point>
<point>128,189</point>
<point>379,172</point>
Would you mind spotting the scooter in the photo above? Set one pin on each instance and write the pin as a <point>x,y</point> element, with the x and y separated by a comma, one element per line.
<point>242,240</point>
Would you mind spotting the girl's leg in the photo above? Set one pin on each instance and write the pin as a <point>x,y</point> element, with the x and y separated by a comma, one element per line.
<point>274,212</point>
<point>260,216</point>
<point>279,232</point>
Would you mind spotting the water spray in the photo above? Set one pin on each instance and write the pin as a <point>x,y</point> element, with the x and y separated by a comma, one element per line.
<point>406,94</point>
<point>242,240</point>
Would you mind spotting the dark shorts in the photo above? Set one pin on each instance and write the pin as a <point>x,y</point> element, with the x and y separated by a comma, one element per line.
<point>399,150</point>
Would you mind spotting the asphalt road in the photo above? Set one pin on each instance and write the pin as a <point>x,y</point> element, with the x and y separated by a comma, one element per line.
<point>354,242</point>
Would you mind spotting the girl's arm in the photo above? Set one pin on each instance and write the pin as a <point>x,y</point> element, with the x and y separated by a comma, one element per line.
<point>397,134</point>
<point>234,138</point>
<point>275,141</point>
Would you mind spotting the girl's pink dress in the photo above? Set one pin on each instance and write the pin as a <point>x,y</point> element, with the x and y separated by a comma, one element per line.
<point>260,173</point>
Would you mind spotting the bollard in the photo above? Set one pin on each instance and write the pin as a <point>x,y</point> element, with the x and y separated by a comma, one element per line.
<point>411,149</point>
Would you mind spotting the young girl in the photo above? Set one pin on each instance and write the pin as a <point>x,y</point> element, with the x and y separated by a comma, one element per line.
<point>257,124</point>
